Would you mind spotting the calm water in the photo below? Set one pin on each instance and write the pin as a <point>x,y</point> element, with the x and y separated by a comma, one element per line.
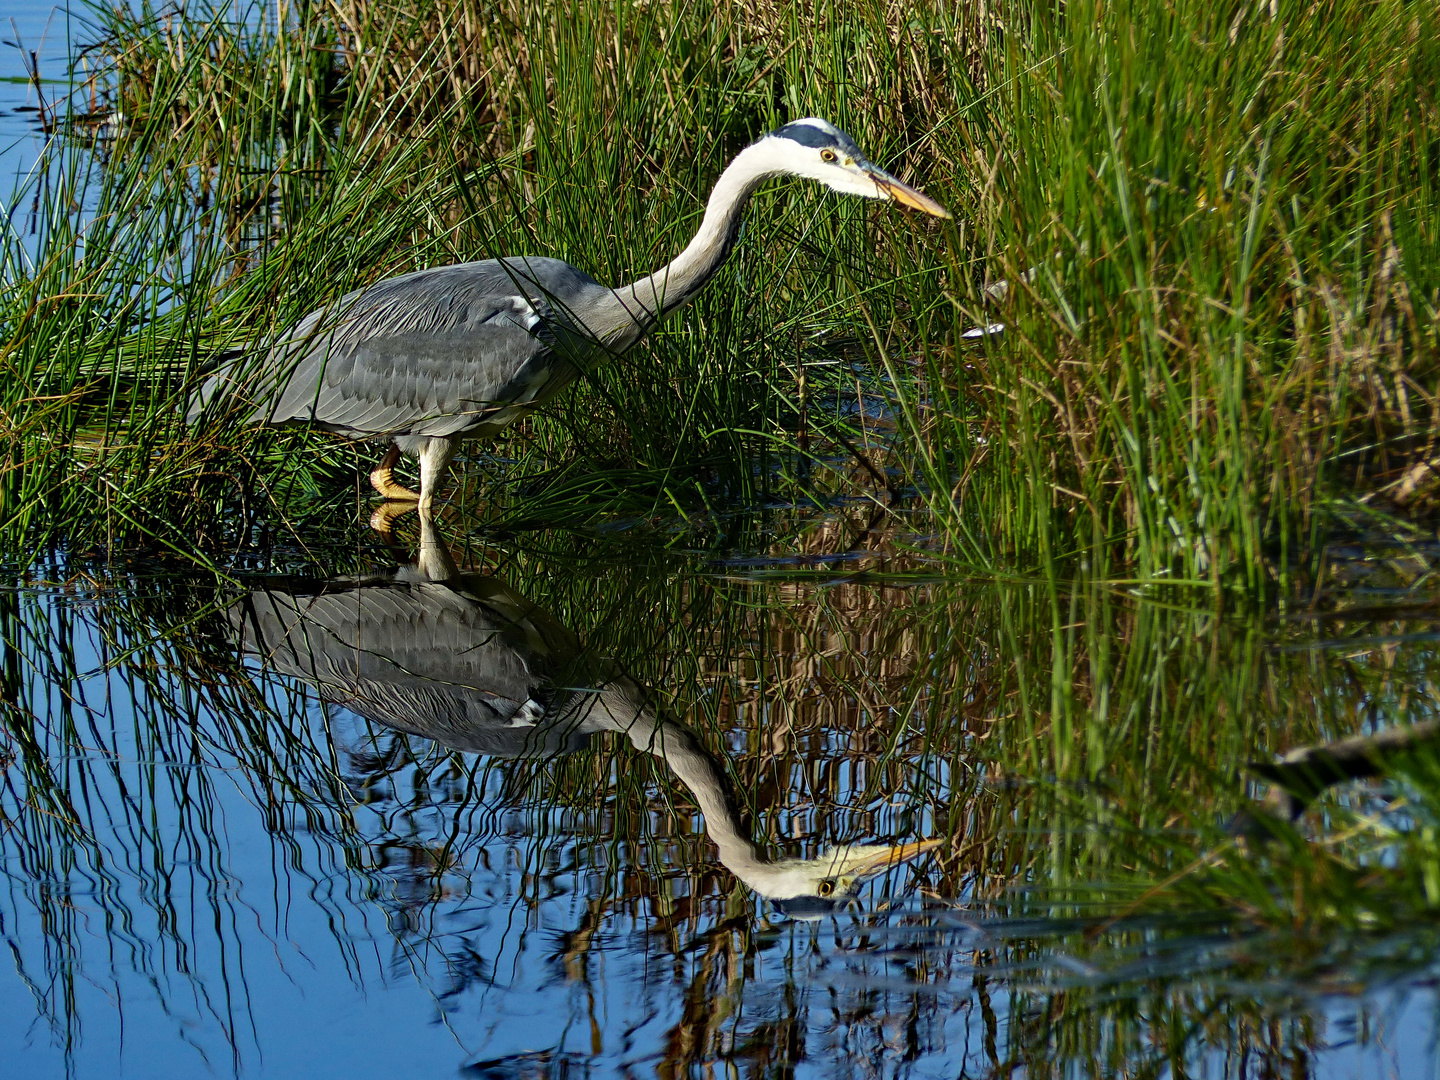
<point>343,815</point>
<point>34,38</point>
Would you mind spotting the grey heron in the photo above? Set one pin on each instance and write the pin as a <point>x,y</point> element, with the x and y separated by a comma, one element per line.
<point>462,660</point>
<point>428,358</point>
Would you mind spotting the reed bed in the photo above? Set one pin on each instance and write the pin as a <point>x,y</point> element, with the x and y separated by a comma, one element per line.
<point>1217,228</point>
<point>1214,224</point>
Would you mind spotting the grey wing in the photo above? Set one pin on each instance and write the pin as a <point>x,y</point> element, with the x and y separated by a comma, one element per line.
<point>433,353</point>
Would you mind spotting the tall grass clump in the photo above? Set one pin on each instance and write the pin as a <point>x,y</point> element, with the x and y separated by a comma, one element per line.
<point>1217,229</point>
<point>1214,225</point>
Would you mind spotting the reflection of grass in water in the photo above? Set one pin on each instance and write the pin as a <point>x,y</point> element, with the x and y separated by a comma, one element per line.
<point>847,711</point>
<point>1104,797</point>
<point>111,792</point>
<point>1226,326</point>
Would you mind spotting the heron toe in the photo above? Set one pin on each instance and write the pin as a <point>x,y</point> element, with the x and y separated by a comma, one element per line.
<point>387,513</point>
<point>383,479</point>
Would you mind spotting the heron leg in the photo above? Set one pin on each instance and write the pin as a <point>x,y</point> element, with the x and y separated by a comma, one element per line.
<point>434,461</point>
<point>434,559</point>
<point>383,478</point>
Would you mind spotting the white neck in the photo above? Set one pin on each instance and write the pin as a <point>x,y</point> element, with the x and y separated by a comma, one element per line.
<point>621,704</point>
<point>639,306</point>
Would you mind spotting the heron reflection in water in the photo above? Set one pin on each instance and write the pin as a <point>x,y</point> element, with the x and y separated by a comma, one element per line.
<point>462,660</point>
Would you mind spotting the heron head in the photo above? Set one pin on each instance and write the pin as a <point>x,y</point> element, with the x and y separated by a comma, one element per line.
<point>804,888</point>
<point>817,149</point>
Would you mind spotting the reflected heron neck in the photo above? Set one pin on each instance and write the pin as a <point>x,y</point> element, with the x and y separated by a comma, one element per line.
<point>687,759</point>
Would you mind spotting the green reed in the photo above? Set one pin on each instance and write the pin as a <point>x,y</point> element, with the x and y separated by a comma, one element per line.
<point>1217,227</point>
<point>1216,224</point>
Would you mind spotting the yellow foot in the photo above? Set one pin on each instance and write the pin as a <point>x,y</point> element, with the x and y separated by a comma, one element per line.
<point>383,478</point>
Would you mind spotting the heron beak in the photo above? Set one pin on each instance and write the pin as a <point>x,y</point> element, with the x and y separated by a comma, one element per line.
<point>904,194</point>
<point>876,860</point>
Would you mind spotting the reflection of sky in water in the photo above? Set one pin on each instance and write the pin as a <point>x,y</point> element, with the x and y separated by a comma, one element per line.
<point>277,938</point>
<point>42,27</point>
<point>266,887</point>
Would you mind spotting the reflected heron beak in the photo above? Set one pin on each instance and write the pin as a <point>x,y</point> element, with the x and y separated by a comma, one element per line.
<point>870,861</point>
<point>904,194</point>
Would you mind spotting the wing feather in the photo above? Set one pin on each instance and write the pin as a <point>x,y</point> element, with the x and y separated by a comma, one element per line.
<point>434,353</point>
<point>422,658</point>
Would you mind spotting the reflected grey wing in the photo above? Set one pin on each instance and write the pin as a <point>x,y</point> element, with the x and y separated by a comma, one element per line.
<point>419,658</point>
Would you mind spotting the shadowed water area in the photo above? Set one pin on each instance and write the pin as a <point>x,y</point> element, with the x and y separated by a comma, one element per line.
<point>549,809</point>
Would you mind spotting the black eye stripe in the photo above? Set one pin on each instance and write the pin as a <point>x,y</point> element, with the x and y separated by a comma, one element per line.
<point>807,135</point>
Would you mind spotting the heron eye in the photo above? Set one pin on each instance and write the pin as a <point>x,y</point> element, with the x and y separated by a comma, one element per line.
<point>827,155</point>
<point>827,887</point>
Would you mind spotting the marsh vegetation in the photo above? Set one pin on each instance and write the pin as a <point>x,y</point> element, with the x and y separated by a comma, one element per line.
<point>1042,593</point>
<point>1216,227</point>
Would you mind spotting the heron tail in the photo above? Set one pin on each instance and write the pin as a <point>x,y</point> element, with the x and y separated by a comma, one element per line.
<point>220,373</point>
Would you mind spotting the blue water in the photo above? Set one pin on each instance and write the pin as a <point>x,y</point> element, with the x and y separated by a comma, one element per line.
<point>30,26</point>
<point>209,923</point>
<point>259,881</point>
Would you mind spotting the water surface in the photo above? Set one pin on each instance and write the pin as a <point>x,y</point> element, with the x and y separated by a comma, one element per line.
<point>346,815</point>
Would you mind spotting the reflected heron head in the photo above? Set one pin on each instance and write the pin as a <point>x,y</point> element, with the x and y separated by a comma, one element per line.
<point>817,149</point>
<point>809,888</point>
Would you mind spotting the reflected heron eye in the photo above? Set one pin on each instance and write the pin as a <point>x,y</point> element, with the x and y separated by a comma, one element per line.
<point>827,155</point>
<point>827,887</point>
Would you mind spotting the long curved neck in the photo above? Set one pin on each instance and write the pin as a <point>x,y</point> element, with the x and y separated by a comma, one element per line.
<point>639,306</point>
<point>620,702</point>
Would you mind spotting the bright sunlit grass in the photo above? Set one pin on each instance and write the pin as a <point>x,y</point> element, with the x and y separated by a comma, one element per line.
<point>1216,225</point>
